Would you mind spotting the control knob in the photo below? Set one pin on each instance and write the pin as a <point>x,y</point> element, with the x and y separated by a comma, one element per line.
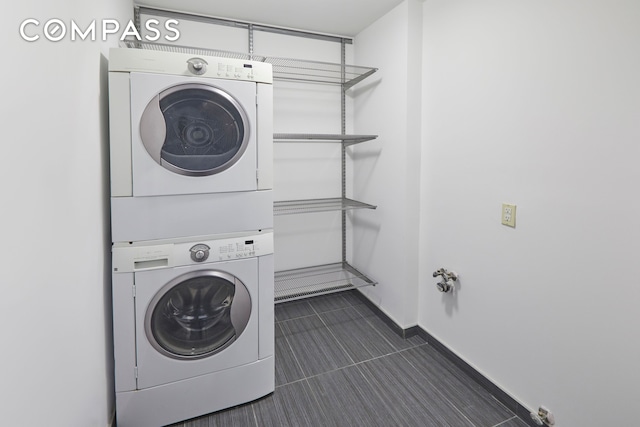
<point>197,66</point>
<point>199,252</point>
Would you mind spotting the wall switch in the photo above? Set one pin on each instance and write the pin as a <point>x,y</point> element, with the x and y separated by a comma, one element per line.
<point>509,215</point>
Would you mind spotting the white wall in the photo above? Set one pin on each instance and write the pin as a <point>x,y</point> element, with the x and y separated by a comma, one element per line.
<point>537,104</point>
<point>387,170</point>
<point>56,352</point>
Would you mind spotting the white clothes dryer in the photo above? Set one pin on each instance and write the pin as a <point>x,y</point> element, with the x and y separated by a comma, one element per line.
<point>193,326</point>
<point>185,124</point>
<point>199,127</point>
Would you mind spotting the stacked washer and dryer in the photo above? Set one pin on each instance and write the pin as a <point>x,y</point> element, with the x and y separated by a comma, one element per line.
<point>192,218</point>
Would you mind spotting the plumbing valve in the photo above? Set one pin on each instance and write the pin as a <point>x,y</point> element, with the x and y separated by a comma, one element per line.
<point>448,279</point>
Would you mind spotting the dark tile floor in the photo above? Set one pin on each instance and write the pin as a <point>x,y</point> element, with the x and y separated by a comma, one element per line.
<point>338,364</point>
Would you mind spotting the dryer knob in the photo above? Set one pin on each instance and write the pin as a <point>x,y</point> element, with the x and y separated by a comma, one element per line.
<point>197,66</point>
<point>199,252</point>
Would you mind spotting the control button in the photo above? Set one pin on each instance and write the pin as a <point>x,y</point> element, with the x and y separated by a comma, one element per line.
<point>200,252</point>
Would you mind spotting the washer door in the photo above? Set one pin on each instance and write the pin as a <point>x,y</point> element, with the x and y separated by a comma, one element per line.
<point>194,129</point>
<point>198,314</point>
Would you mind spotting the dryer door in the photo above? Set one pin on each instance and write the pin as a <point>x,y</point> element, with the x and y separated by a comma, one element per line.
<point>194,129</point>
<point>198,314</point>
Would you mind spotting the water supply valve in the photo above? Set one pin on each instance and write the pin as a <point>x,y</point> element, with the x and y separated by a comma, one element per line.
<point>448,279</point>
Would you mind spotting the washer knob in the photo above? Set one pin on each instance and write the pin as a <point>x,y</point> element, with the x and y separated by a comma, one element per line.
<point>199,252</point>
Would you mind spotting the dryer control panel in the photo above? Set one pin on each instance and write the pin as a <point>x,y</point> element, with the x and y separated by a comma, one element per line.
<point>139,256</point>
<point>189,64</point>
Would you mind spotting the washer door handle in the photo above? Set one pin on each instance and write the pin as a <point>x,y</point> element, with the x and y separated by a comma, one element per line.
<point>153,129</point>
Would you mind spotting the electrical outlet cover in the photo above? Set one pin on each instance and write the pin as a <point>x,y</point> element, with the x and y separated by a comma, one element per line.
<point>509,215</point>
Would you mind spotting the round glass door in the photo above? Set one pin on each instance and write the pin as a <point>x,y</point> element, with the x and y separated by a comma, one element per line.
<point>194,130</point>
<point>198,314</point>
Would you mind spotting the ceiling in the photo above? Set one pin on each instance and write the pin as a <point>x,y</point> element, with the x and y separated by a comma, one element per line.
<point>335,17</point>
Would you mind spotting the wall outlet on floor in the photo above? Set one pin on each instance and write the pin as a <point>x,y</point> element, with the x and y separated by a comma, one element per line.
<point>544,417</point>
<point>509,215</point>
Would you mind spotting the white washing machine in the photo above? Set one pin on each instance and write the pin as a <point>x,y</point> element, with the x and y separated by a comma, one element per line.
<point>193,326</point>
<point>194,127</point>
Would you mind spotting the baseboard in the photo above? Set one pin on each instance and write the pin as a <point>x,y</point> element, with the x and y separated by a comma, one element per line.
<point>403,332</point>
<point>500,395</point>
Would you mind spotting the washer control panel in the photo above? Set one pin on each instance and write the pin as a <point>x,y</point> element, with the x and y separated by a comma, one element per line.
<point>227,249</point>
<point>230,249</point>
<point>138,256</point>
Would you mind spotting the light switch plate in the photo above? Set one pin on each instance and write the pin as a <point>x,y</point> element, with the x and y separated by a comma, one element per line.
<point>509,215</point>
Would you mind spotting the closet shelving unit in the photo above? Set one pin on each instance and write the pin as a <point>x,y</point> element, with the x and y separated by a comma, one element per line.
<point>341,276</point>
<point>323,279</point>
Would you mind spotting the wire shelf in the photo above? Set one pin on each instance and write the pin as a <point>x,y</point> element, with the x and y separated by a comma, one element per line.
<point>318,280</point>
<point>318,72</point>
<point>288,207</point>
<point>312,137</point>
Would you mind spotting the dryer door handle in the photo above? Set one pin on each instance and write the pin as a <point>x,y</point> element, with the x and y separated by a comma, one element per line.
<point>153,129</point>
